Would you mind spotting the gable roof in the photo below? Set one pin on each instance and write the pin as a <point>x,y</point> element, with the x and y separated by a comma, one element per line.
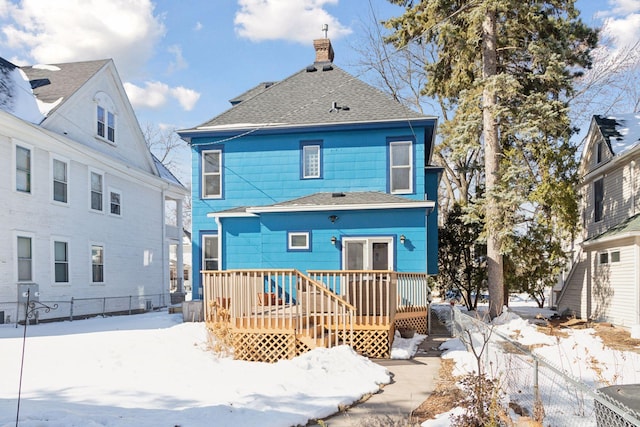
<point>55,82</point>
<point>319,94</point>
<point>621,132</point>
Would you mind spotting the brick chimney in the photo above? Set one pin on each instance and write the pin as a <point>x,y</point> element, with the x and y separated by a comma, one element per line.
<point>324,51</point>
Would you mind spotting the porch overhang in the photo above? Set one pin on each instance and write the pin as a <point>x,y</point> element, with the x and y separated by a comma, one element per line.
<point>346,207</point>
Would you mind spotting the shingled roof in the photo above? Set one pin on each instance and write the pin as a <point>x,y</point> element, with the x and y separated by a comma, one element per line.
<point>621,132</point>
<point>55,81</point>
<point>321,93</point>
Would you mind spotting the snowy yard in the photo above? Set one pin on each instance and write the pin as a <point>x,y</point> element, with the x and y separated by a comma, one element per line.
<point>154,370</point>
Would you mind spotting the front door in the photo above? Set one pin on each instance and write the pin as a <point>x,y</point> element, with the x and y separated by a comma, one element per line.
<point>371,253</point>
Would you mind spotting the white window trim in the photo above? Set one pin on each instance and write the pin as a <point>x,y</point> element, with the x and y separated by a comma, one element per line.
<point>104,264</point>
<point>304,162</point>
<point>593,192</point>
<point>292,234</point>
<point>31,236</point>
<point>368,253</point>
<point>116,191</point>
<point>609,253</point>
<point>90,190</point>
<point>202,252</point>
<point>101,99</point>
<point>51,178</point>
<point>203,174</point>
<point>14,166</point>
<point>410,167</point>
<point>55,239</point>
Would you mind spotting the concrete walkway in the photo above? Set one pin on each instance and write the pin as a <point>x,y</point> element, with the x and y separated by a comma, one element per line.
<point>412,382</point>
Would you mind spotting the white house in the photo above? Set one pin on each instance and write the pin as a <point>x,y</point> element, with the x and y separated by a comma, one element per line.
<point>83,212</point>
<point>604,281</point>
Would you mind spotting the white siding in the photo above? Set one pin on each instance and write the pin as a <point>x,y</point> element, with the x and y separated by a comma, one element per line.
<point>136,254</point>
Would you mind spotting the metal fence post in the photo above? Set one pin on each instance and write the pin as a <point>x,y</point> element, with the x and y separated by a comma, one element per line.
<point>130,304</point>
<point>71,310</point>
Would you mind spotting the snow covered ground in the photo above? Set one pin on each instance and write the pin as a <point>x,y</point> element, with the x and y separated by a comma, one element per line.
<point>154,370</point>
<point>581,354</point>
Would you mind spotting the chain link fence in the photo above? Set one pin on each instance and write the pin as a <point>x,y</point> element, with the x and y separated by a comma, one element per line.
<point>537,387</point>
<point>81,308</point>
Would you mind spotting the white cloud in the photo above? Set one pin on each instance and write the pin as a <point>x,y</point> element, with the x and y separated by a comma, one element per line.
<point>178,62</point>
<point>75,30</point>
<point>300,20</point>
<point>155,95</point>
<point>198,26</point>
<point>186,97</point>
<point>622,32</point>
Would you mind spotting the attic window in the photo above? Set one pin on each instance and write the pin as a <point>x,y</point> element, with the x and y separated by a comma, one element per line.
<point>599,152</point>
<point>105,117</point>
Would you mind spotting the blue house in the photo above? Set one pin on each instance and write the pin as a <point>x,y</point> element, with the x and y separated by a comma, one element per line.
<point>317,172</point>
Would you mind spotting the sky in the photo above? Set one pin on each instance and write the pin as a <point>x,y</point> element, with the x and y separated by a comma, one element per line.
<point>153,369</point>
<point>181,62</point>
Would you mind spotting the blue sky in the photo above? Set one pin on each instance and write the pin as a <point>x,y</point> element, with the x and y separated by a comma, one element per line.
<point>181,61</point>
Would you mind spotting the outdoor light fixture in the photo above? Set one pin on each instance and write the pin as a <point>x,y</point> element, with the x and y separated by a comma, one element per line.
<point>333,240</point>
<point>402,239</point>
<point>333,218</point>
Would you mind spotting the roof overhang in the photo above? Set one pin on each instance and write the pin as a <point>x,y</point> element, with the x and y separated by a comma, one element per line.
<point>245,129</point>
<point>611,238</point>
<point>428,204</point>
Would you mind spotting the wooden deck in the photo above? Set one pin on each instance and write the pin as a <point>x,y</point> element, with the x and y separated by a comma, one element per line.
<point>279,314</point>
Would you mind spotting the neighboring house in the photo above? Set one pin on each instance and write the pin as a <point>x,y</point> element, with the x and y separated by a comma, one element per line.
<point>604,281</point>
<point>83,215</point>
<point>319,171</point>
<point>186,261</point>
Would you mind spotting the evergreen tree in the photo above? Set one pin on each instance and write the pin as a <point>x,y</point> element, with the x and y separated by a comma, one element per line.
<point>506,67</point>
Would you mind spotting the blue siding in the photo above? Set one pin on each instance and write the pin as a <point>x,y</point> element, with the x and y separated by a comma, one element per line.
<point>265,168</point>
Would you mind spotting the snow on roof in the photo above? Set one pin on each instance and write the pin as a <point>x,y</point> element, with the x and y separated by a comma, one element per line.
<point>46,67</point>
<point>628,132</point>
<point>16,96</point>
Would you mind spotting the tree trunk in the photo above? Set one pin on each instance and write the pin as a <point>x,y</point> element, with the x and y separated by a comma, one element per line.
<point>495,274</point>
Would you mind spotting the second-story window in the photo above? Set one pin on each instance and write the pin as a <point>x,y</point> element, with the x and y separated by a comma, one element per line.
<point>311,160</point>
<point>96,191</point>
<point>23,169</point>
<point>212,174</point>
<point>115,202</point>
<point>59,181</point>
<point>600,152</point>
<point>401,167</point>
<point>598,199</point>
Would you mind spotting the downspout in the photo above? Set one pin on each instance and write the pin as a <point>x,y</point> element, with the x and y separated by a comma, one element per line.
<point>165,263</point>
<point>633,187</point>
<point>219,224</point>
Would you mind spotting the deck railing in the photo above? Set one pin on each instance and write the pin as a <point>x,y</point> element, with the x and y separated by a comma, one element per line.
<point>377,295</point>
<point>279,299</point>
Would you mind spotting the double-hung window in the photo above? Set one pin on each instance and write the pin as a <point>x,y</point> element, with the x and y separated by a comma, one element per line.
<point>23,169</point>
<point>401,167</point>
<point>598,199</point>
<point>97,263</point>
<point>60,181</point>
<point>311,160</point>
<point>115,202</point>
<point>210,252</point>
<point>61,261</point>
<point>96,191</point>
<point>25,259</point>
<point>212,174</point>
<point>106,124</point>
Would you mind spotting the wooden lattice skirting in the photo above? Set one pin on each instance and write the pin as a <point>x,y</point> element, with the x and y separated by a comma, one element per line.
<point>370,343</point>
<point>263,346</point>
<point>413,320</point>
